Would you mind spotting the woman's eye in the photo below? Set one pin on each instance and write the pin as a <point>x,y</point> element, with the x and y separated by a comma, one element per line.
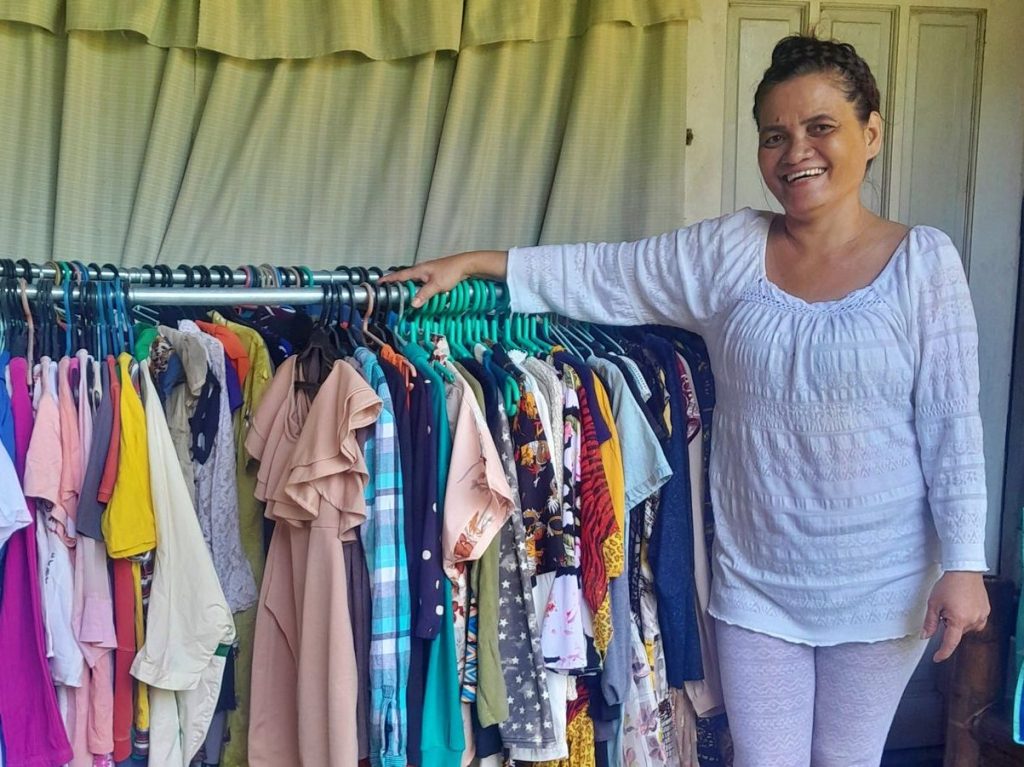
<point>821,128</point>
<point>772,139</point>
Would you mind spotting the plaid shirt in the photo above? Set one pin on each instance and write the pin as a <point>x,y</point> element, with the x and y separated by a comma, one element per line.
<point>384,545</point>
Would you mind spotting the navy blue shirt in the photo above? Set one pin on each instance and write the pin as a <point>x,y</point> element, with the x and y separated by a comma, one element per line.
<point>671,544</point>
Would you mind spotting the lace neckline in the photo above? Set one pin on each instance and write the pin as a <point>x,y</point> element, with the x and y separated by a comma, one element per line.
<point>854,299</point>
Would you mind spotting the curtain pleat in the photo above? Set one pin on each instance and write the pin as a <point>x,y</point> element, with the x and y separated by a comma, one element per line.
<point>494,21</point>
<point>303,29</point>
<point>562,141</point>
<point>120,151</point>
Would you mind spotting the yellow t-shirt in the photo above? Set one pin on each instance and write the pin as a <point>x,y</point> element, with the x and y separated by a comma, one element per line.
<point>129,525</point>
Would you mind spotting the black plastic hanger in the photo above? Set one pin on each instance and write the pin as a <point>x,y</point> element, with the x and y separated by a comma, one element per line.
<point>317,359</point>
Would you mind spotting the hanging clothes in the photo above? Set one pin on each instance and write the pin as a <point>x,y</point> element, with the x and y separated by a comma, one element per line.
<point>93,608</point>
<point>129,527</point>
<point>314,476</point>
<point>383,538</point>
<point>189,621</point>
<point>183,385</point>
<point>30,721</point>
<point>250,524</point>
<point>216,488</point>
<point>445,583</point>
<point>54,534</point>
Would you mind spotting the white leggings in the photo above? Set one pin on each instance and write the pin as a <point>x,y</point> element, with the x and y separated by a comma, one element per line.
<point>793,705</point>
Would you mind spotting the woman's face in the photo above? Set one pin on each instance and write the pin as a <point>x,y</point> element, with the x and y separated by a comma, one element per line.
<point>812,148</point>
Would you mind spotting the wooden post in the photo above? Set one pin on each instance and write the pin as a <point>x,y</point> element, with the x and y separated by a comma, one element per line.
<point>978,673</point>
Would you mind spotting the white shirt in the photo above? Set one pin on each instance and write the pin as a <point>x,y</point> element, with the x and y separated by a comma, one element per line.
<point>188,618</point>
<point>847,467</point>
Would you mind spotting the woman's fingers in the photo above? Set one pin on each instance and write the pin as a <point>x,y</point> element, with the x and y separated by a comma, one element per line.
<point>433,277</point>
<point>951,636</point>
<point>414,273</point>
<point>959,603</point>
<point>931,622</point>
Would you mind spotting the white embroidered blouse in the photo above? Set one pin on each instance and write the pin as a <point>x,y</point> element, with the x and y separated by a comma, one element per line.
<point>847,469</point>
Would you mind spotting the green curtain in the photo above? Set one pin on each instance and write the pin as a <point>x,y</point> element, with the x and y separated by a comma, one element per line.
<point>155,131</point>
<point>328,132</point>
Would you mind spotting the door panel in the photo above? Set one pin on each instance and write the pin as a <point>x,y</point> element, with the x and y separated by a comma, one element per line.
<point>872,31</point>
<point>753,31</point>
<point>940,115</point>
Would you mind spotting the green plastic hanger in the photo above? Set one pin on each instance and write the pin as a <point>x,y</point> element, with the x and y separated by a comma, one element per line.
<point>539,348</point>
<point>471,321</point>
<point>457,321</point>
<point>484,294</point>
<point>467,322</point>
<point>544,333</point>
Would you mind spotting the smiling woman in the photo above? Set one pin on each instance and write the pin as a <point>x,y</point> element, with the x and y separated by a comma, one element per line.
<point>807,155</point>
<point>819,129</point>
<point>847,470</point>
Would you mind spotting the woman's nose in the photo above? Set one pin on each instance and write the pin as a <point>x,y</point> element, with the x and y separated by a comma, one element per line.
<point>798,149</point>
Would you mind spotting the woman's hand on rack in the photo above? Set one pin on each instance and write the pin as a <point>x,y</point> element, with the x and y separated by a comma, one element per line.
<point>959,603</point>
<point>445,273</point>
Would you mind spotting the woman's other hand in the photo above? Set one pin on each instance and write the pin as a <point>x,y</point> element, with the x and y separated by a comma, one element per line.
<point>960,603</point>
<point>444,274</point>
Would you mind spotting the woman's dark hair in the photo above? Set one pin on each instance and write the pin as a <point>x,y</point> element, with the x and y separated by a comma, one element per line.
<point>798,55</point>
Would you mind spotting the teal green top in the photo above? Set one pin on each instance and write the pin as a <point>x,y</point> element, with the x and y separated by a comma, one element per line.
<point>442,739</point>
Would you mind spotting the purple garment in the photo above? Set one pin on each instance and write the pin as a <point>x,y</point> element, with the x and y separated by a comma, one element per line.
<point>235,398</point>
<point>90,507</point>
<point>33,732</point>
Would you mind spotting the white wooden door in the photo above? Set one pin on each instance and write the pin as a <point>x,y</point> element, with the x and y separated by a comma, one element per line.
<point>951,75</point>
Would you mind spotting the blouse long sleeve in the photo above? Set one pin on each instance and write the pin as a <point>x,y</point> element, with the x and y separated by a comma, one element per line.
<point>680,278</point>
<point>946,415</point>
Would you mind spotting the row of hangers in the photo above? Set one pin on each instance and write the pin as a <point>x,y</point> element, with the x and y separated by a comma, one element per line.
<point>95,313</point>
<point>341,327</point>
<point>96,319</point>
<point>99,317</point>
<point>474,312</point>
<point>198,275</point>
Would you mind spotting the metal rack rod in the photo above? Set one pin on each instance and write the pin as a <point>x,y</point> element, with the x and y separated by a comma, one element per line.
<point>138,275</point>
<point>218,296</point>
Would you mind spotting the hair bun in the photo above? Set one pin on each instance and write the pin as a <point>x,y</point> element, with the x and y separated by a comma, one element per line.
<point>797,55</point>
<point>795,48</point>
